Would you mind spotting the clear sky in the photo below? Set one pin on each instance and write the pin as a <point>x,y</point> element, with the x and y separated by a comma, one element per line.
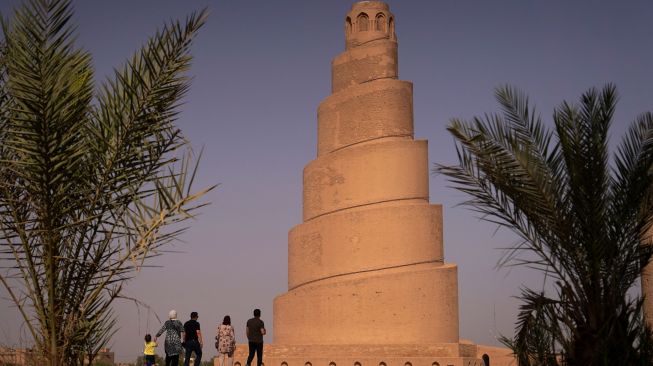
<point>260,70</point>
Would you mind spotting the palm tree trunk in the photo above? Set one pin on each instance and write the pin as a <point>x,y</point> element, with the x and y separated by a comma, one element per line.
<point>647,284</point>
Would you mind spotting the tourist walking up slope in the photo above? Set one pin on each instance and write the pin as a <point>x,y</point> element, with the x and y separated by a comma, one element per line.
<point>174,333</point>
<point>193,340</point>
<point>148,350</point>
<point>226,342</point>
<point>255,330</point>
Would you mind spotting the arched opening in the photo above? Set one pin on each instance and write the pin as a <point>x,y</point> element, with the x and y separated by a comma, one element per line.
<point>363,22</point>
<point>436,363</point>
<point>284,363</point>
<point>380,22</point>
<point>486,359</point>
<point>348,26</point>
<point>391,28</point>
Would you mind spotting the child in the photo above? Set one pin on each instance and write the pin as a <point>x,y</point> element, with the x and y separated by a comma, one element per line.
<point>148,350</point>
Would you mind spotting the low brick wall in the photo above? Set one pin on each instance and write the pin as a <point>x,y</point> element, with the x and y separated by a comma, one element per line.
<point>446,354</point>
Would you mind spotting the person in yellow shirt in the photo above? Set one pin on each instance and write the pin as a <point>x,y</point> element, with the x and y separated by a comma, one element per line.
<point>148,350</point>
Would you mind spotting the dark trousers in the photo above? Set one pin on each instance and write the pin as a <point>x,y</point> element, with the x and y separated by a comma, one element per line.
<point>193,346</point>
<point>172,360</point>
<point>258,348</point>
<point>149,360</point>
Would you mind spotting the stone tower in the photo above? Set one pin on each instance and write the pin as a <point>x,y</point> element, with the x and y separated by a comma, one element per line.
<point>367,281</point>
<point>366,265</point>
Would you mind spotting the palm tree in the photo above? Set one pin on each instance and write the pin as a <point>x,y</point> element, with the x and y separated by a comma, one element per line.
<point>579,217</point>
<point>93,181</point>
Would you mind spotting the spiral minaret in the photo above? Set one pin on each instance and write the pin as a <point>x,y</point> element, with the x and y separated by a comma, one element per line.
<point>366,265</point>
<point>367,281</point>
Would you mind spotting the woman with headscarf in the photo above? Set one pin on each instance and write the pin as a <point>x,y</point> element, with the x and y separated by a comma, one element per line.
<point>174,334</point>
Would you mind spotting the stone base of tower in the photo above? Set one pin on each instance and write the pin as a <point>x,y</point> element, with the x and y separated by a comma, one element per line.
<point>409,304</point>
<point>442,354</point>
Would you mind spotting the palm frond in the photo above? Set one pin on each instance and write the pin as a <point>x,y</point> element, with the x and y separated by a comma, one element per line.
<point>89,181</point>
<point>579,222</point>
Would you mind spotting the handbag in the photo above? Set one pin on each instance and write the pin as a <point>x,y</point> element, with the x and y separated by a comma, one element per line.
<point>217,343</point>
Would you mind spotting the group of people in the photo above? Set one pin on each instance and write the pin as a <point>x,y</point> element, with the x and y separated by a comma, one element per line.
<point>188,337</point>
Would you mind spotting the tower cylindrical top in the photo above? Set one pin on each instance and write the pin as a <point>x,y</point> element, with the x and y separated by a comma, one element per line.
<point>369,21</point>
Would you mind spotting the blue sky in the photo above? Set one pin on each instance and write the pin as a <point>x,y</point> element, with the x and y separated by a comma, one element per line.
<point>260,70</point>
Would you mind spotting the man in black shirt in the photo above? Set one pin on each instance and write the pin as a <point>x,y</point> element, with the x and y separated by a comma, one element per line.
<point>193,339</point>
<point>255,331</point>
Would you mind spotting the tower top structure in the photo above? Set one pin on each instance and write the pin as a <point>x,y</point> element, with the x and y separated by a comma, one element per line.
<point>368,21</point>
